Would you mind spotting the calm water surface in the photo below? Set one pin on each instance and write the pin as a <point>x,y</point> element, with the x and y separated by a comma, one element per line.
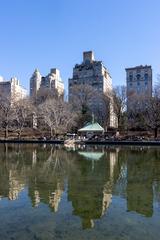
<point>49,192</point>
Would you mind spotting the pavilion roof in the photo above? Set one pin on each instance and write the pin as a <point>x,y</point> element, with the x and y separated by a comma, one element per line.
<point>91,155</point>
<point>93,127</point>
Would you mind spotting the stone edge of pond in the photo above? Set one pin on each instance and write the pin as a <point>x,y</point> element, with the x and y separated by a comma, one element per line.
<point>32,141</point>
<point>113,142</point>
<point>137,143</point>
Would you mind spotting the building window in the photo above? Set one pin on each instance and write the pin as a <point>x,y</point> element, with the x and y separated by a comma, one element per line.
<point>130,78</point>
<point>138,76</point>
<point>146,76</point>
<point>146,79</point>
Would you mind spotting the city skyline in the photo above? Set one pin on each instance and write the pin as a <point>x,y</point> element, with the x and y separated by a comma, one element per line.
<point>66,85</point>
<point>120,34</point>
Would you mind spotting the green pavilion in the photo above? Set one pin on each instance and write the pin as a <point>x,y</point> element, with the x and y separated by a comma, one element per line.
<point>91,129</point>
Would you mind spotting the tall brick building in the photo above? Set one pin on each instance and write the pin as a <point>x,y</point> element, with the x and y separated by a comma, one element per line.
<point>12,89</point>
<point>93,73</point>
<point>139,84</point>
<point>51,82</point>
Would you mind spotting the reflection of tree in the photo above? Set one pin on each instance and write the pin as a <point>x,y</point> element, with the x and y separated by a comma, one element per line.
<point>90,190</point>
<point>55,198</point>
<point>84,192</point>
<point>4,178</point>
<point>132,173</point>
<point>12,171</point>
<point>140,173</point>
<point>107,196</point>
<point>43,171</point>
<point>46,183</point>
<point>16,185</point>
<point>120,174</point>
<point>54,162</point>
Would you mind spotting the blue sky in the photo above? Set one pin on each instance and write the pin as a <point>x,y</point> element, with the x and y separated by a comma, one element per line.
<point>45,34</point>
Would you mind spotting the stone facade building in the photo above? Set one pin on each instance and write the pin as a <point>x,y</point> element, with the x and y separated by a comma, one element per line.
<point>139,84</point>
<point>93,73</point>
<point>35,83</point>
<point>12,89</point>
<point>52,82</point>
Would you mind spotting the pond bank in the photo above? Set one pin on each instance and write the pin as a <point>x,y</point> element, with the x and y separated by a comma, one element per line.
<point>87,142</point>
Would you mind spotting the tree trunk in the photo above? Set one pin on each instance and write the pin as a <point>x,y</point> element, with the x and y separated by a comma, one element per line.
<point>6,149</point>
<point>6,132</point>
<point>51,132</point>
<point>19,134</point>
<point>155,132</point>
<point>118,119</point>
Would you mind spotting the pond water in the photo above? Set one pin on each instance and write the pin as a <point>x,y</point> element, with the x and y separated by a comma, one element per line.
<point>95,192</point>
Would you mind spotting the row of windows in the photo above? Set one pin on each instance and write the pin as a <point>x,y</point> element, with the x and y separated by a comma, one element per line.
<point>138,71</point>
<point>138,77</point>
<point>99,83</point>
<point>141,89</point>
<point>138,84</point>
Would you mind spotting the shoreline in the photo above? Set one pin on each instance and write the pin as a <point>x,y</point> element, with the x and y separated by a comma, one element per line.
<point>89,142</point>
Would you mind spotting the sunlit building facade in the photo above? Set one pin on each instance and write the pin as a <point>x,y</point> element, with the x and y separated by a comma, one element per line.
<point>139,84</point>
<point>12,89</point>
<point>95,74</point>
<point>52,82</point>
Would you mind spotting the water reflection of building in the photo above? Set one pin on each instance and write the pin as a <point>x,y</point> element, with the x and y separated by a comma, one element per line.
<point>12,171</point>
<point>55,198</point>
<point>46,186</point>
<point>130,173</point>
<point>90,189</point>
<point>107,192</point>
<point>34,156</point>
<point>107,197</point>
<point>139,184</point>
<point>113,158</point>
<point>91,156</point>
<point>11,182</point>
<point>15,185</point>
<point>36,198</point>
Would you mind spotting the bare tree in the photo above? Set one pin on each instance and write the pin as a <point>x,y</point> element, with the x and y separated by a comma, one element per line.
<point>23,110</point>
<point>44,94</point>
<point>156,90</point>
<point>119,101</point>
<point>82,96</point>
<point>56,115</point>
<point>87,100</point>
<point>144,113</point>
<point>152,114</point>
<point>136,114</point>
<point>102,109</point>
<point>6,113</point>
